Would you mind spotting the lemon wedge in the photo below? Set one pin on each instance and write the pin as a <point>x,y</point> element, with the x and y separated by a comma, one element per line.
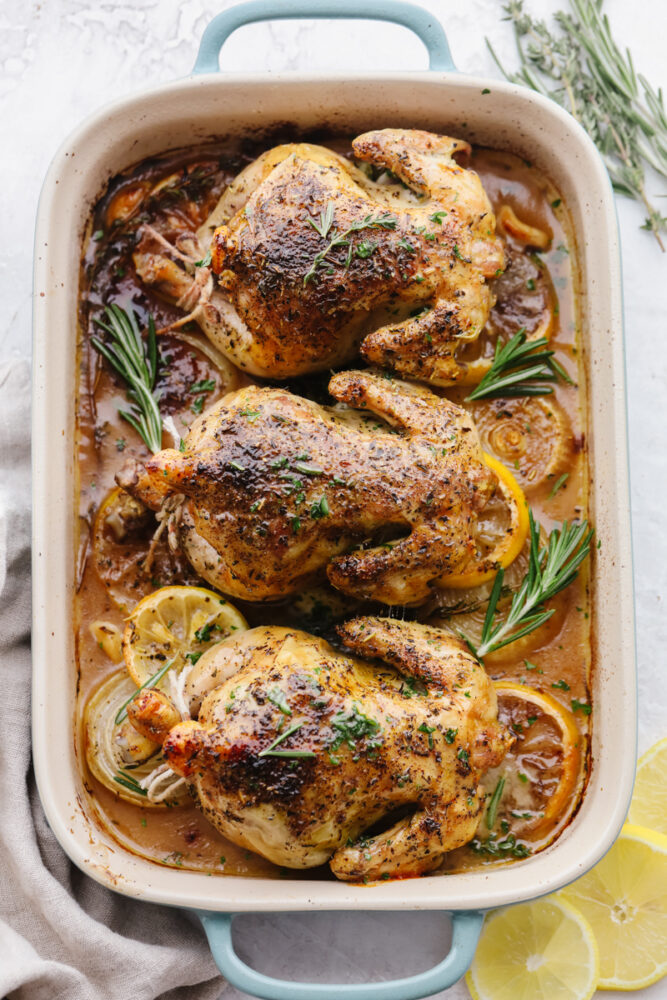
<point>501,531</point>
<point>624,898</point>
<point>176,625</point>
<point>649,799</point>
<point>544,949</point>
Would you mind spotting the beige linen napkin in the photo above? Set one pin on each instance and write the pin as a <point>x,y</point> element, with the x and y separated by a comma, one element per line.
<point>62,936</point>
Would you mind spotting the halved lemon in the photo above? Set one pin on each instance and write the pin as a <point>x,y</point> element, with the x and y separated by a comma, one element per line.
<point>530,434</point>
<point>500,532</point>
<point>544,767</point>
<point>624,899</point>
<point>649,799</point>
<point>122,535</point>
<point>177,625</point>
<point>535,951</point>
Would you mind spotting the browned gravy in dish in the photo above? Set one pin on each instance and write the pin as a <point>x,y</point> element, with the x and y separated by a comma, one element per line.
<point>193,181</point>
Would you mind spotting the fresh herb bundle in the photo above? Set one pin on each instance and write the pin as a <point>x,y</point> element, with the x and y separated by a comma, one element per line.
<point>551,568</point>
<point>135,360</point>
<point>597,83</point>
<point>520,367</point>
<point>322,226</point>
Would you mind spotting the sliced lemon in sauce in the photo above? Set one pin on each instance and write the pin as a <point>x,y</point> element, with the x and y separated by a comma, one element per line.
<point>544,769</point>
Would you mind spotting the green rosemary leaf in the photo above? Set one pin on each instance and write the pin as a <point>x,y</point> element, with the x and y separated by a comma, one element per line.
<point>493,804</point>
<point>135,360</point>
<point>551,568</point>
<point>580,66</point>
<point>520,367</point>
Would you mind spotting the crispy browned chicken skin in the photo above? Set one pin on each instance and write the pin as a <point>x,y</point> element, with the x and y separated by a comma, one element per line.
<point>279,487</point>
<point>408,280</point>
<point>348,742</point>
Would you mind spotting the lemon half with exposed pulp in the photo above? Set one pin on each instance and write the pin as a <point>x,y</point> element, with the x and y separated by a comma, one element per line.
<point>624,899</point>
<point>649,798</point>
<point>177,625</point>
<point>535,951</point>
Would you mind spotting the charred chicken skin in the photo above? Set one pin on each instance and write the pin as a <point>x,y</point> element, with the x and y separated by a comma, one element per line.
<point>275,488</point>
<point>296,750</point>
<point>315,258</point>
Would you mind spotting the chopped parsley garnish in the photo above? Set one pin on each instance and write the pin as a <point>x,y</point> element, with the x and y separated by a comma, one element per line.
<point>203,634</point>
<point>204,385</point>
<point>352,726</point>
<point>561,685</point>
<point>581,706</point>
<point>277,698</point>
<point>320,508</point>
<point>437,217</point>
<point>428,730</point>
<point>450,735</point>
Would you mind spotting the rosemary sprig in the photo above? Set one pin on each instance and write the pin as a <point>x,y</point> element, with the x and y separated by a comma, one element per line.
<point>596,82</point>
<point>322,226</point>
<point>292,754</point>
<point>135,360</point>
<point>551,568</point>
<point>520,368</point>
<point>128,781</point>
<point>494,801</point>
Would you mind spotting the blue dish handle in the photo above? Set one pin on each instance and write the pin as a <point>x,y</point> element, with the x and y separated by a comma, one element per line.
<point>466,927</point>
<point>418,20</point>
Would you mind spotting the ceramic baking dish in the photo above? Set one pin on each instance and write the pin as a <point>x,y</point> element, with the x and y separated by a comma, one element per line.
<point>192,110</point>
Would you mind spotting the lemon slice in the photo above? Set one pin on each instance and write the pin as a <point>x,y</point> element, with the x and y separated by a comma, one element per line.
<point>176,624</point>
<point>624,898</point>
<point>544,766</point>
<point>122,539</point>
<point>649,799</point>
<point>501,531</point>
<point>542,950</point>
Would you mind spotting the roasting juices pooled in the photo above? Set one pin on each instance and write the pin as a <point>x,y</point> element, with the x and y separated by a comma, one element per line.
<point>332,625</point>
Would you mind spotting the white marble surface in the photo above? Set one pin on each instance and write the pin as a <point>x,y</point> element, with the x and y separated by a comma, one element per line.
<point>62,59</point>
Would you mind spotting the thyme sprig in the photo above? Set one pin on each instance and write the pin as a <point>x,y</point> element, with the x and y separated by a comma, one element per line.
<point>520,367</point>
<point>135,360</point>
<point>551,568</point>
<point>323,226</point>
<point>597,83</point>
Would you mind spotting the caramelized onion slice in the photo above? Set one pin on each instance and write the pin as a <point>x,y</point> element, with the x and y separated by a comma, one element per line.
<point>120,758</point>
<point>530,434</point>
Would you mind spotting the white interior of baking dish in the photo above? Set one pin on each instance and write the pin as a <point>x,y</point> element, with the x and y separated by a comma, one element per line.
<point>192,111</point>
